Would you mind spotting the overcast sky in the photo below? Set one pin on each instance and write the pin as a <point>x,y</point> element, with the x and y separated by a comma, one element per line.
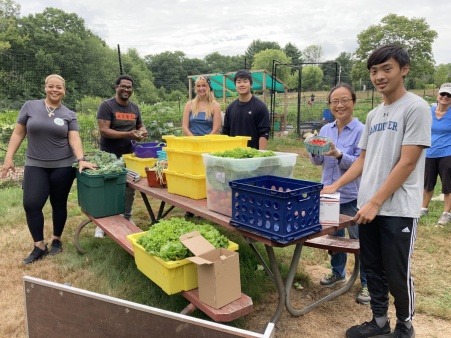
<point>201,27</point>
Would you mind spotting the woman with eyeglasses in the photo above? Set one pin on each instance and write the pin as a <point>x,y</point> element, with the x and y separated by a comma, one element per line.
<point>438,156</point>
<point>345,132</point>
<point>54,144</point>
<point>202,115</point>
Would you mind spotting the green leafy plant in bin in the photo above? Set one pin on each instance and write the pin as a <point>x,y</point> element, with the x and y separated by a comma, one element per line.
<point>243,153</point>
<point>107,163</point>
<point>269,164</point>
<point>162,239</point>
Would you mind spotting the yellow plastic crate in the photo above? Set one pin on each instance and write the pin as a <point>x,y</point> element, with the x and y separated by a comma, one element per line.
<point>172,276</point>
<point>138,164</point>
<point>192,186</point>
<point>185,161</point>
<point>206,143</point>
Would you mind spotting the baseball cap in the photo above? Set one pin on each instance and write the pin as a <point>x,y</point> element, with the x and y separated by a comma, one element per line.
<point>445,88</point>
<point>243,74</point>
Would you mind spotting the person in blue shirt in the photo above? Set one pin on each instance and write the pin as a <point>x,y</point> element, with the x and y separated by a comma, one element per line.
<point>438,156</point>
<point>345,132</point>
<point>202,115</point>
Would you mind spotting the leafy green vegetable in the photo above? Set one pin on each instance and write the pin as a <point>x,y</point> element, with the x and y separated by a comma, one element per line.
<point>107,163</point>
<point>243,153</point>
<point>162,239</point>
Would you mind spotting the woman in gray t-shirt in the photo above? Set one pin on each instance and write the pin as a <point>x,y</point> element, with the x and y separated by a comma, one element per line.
<point>54,144</point>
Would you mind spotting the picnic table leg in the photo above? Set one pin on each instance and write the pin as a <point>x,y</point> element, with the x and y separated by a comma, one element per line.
<point>77,236</point>
<point>278,281</point>
<point>267,269</point>
<point>149,208</point>
<point>190,308</point>
<point>345,288</point>
<point>161,212</point>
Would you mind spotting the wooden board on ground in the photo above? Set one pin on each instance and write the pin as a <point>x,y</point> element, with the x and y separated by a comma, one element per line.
<point>59,310</point>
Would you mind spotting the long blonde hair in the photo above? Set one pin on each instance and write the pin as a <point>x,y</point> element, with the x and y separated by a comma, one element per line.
<point>210,98</point>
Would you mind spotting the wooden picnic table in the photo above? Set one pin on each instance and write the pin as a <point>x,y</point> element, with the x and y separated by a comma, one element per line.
<point>199,208</point>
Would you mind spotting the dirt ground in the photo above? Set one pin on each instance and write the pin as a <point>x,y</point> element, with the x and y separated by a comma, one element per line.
<point>333,318</point>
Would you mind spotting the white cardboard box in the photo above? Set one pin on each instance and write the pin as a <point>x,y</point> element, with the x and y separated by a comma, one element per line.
<point>218,271</point>
<point>329,208</point>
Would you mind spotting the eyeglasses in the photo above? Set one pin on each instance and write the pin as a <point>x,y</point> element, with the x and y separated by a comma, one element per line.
<point>344,101</point>
<point>448,95</point>
<point>123,87</point>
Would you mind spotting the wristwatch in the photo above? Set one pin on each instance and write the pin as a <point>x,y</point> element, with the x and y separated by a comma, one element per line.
<point>81,159</point>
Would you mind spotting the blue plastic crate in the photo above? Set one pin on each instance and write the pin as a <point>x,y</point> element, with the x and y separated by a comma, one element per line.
<point>277,208</point>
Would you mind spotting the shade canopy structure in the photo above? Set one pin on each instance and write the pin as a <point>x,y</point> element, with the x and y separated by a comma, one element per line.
<point>223,85</point>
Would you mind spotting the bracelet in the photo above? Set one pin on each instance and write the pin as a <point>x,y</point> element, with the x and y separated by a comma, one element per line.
<point>81,159</point>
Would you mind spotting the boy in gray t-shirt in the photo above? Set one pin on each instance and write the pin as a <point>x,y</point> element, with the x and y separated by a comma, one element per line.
<point>391,166</point>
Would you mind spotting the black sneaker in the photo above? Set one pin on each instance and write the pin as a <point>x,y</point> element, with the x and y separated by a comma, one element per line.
<point>332,279</point>
<point>35,255</point>
<point>56,247</point>
<point>401,331</point>
<point>369,329</point>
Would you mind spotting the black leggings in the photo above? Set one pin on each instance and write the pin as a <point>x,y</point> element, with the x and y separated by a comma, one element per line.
<point>38,185</point>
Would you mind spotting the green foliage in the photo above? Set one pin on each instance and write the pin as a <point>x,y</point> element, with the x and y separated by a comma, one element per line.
<point>243,153</point>
<point>107,163</point>
<point>258,46</point>
<point>162,239</point>
<point>218,63</point>
<point>264,60</point>
<point>161,119</point>
<point>293,53</point>
<point>312,77</point>
<point>413,34</point>
<point>442,74</point>
<point>313,53</point>
<point>7,124</point>
<point>88,105</point>
<point>168,70</point>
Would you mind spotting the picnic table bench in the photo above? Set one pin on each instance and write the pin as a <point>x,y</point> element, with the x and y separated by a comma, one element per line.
<point>321,240</point>
<point>117,228</point>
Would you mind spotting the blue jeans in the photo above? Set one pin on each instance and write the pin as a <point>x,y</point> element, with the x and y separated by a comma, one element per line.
<point>338,260</point>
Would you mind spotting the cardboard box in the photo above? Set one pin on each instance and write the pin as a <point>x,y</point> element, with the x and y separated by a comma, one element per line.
<point>329,208</point>
<point>218,271</point>
<point>171,276</point>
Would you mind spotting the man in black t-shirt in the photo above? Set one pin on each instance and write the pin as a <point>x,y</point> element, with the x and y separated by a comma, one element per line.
<point>248,115</point>
<point>120,122</point>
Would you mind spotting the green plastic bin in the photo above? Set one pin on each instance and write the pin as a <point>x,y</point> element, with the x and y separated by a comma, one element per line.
<point>102,195</point>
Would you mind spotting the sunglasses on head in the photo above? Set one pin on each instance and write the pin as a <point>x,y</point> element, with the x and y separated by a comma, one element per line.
<point>207,79</point>
<point>448,95</point>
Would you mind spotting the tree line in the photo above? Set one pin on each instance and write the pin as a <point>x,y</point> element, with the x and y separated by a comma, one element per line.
<point>54,41</point>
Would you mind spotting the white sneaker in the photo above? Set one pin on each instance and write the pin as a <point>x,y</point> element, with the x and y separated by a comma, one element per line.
<point>444,218</point>
<point>99,233</point>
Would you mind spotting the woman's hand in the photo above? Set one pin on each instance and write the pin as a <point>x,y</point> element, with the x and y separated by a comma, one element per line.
<point>86,165</point>
<point>328,189</point>
<point>7,165</point>
<point>333,152</point>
